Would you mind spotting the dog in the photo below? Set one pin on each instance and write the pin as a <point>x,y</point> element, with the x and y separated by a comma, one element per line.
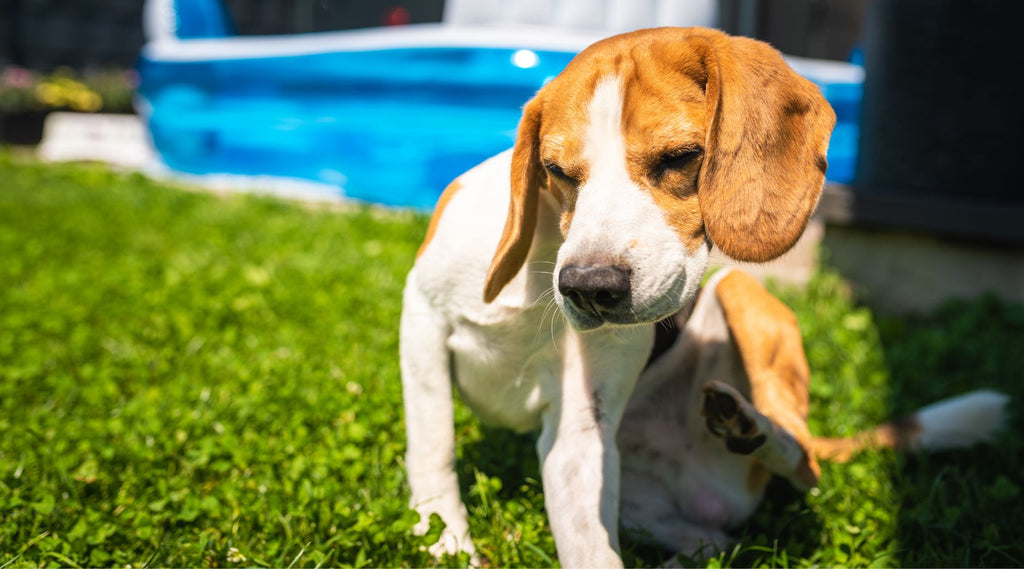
<point>545,270</point>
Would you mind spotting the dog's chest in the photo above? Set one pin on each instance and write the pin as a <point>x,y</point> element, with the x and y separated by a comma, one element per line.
<point>502,372</point>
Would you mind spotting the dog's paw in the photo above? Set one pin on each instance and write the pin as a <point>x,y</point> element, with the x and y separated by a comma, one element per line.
<point>451,541</point>
<point>451,544</point>
<point>730,416</point>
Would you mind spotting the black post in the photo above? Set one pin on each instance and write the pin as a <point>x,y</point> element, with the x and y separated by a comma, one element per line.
<point>943,111</point>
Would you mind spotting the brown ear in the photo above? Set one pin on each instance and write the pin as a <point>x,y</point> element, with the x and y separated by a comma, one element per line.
<point>527,177</point>
<point>767,136</point>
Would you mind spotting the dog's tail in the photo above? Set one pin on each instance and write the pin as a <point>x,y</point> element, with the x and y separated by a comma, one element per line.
<point>957,422</point>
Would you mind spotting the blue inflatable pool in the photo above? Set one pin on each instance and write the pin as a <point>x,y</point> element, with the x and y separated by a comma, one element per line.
<point>387,116</point>
<point>392,125</point>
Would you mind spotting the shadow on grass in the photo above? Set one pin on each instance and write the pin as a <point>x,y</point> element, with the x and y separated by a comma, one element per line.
<point>489,454</point>
<point>500,454</point>
<point>500,478</point>
<point>959,508</point>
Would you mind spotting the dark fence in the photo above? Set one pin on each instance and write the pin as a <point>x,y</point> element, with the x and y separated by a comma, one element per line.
<point>825,29</point>
<point>942,128</point>
<point>45,34</point>
<point>292,16</point>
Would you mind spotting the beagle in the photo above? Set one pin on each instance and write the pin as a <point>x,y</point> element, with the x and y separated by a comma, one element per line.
<point>545,269</point>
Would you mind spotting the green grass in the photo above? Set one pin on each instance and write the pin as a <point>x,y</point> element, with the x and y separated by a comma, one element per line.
<point>192,380</point>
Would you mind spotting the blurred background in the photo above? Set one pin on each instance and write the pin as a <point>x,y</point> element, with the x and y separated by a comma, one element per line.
<point>923,163</point>
<point>45,34</point>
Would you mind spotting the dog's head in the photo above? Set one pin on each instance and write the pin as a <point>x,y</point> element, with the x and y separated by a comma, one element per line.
<point>657,144</point>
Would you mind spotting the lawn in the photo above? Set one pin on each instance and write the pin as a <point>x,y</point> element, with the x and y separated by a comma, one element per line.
<point>198,380</point>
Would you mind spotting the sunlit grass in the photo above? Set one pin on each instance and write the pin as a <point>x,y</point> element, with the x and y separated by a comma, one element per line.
<point>192,380</point>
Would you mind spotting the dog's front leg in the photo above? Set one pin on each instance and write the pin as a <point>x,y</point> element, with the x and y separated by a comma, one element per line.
<point>429,422</point>
<point>578,453</point>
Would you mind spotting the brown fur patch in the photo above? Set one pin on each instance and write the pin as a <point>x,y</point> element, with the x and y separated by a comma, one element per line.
<point>442,202</point>
<point>758,476</point>
<point>663,113</point>
<point>768,338</point>
<point>768,130</point>
<point>899,434</point>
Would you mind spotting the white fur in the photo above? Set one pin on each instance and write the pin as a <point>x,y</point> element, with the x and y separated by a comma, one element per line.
<point>517,365</point>
<point>516,361</point>
<point>961,421</point>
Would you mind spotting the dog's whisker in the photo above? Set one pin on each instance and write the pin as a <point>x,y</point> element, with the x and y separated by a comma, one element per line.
<point>554,343</point>
<point>546,296</point>
<point>551,312</point>
<point>543,315</point>
<point>550,307</point>
<point>636,317</point>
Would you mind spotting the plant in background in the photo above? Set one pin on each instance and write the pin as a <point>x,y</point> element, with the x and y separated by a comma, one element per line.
<point>16,89</point>
<point>61,90</point>
<point>115,86</point>
<point>23,90</point>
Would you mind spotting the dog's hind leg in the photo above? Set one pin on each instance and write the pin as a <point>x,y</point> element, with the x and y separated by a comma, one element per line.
<point>772,426</point>
<point>746,431</point>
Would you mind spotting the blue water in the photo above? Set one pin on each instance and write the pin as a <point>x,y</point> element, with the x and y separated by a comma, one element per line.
<point>391,126</point>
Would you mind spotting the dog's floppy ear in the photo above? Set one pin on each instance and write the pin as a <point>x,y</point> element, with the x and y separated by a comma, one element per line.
<point>527,177</point>
<point>764,166</point>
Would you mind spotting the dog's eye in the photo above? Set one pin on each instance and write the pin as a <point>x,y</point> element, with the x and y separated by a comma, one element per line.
<point>679,158</point>
<point>558,172</point>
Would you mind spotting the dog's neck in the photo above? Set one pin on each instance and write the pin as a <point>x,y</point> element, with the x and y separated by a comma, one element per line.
<point>667,331</point>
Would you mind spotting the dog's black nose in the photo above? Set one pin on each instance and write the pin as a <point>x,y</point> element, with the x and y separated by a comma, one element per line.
<point>594,289</point>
